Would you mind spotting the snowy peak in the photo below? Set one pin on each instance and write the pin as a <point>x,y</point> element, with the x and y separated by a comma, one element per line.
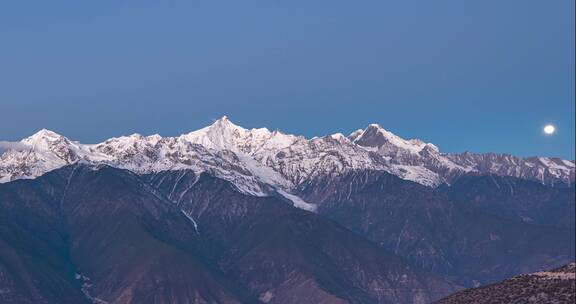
<point>257,160</point>
<point>224,125</point>
<point>37,154</point>
<point>52,146</point>
<point>354,135</point>
<point>339,137</point>
<point>44,136</point>
<point>225,135</point>
<point>374,136</point>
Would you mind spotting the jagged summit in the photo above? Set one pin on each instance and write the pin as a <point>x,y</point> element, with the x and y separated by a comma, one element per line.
<point>45,132</point>
<point>258,161</point>
<point>354,135</point>
<point>224,123</point>
<point>377,137</point>
<point>224,134</point>
<point>43,135</point>
<point>339,137</point>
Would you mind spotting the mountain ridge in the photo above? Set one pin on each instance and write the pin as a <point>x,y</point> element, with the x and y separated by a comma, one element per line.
<point>263,162</point>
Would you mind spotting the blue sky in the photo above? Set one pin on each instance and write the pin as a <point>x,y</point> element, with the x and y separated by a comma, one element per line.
<point>466,75</point>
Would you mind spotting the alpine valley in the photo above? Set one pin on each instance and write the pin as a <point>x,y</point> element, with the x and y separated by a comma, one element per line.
<point>226,214</point>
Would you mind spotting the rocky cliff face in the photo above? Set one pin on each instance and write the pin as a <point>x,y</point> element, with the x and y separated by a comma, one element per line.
<point>556,286</point>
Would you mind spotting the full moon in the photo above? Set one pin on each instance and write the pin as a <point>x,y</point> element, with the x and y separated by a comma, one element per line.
<point>549,129</point>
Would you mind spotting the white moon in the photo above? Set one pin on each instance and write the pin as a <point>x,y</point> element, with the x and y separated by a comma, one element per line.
<point>549,129</point>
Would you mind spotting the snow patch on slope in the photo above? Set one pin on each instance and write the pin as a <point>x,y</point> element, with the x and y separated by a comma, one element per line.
<point>188,216</point>
<point>298,202</point>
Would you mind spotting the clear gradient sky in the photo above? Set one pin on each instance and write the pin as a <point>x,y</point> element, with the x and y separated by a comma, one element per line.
<point>466,75</point>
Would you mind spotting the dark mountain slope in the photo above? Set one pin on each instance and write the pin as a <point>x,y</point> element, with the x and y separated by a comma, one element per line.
<point>287,255</point>
<point>126,244</point>
<point>516,199</point>
<point>34,262</point>
<point>429,229</point>
<point>88,234</point>
<point>136,246</point>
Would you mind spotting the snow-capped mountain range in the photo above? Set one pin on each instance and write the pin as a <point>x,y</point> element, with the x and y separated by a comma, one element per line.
<point>261,162</point>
